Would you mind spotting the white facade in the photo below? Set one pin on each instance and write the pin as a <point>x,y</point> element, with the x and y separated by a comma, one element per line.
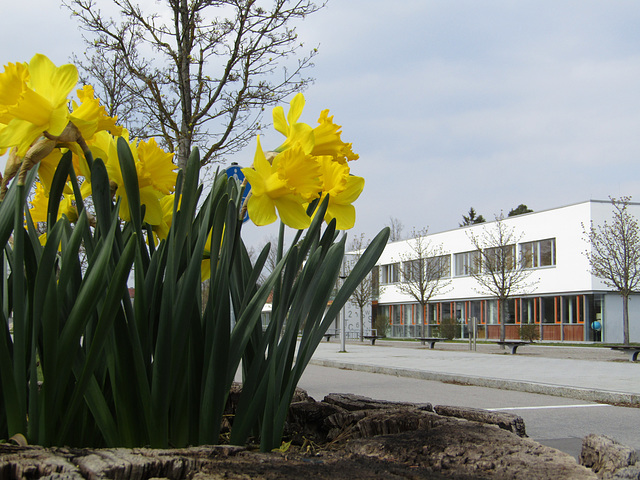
<point>562,296</point>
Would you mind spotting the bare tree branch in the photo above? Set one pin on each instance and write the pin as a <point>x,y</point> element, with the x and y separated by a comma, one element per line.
<point>426,271</point>
<point>395,227</point>
<point>499,272</point>
<point>366,292</point>
<point>201,77</point>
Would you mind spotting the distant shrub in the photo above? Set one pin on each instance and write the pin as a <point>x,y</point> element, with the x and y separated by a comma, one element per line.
<point>450,328</point>
<point>529,332</point>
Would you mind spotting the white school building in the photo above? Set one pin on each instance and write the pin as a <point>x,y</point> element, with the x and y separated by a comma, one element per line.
<point>564,300</point>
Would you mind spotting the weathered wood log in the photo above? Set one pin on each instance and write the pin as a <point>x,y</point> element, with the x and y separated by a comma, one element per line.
<point>411,439</point>
<point>607,457</point>
<point>462,449</point>
<point>505,420</point>
<point>358,402</point>
<point>384,421</point>
<point>97,464</point>
<point>390,421</point>
<point>307,421</point>
<point>17,462</point>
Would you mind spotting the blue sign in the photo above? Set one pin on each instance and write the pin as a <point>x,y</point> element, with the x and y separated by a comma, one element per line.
<point>235,171</point>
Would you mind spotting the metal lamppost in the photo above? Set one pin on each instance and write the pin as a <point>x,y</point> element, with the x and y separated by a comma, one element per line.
<point>343,322</point>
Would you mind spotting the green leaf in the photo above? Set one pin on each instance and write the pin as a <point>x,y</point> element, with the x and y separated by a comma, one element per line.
<point>130,178</point>
<point>57,187</point>
<point>101,194</point>
<point>111,305</point>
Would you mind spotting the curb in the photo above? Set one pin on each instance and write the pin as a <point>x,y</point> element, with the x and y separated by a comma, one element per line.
<point>591,395</point>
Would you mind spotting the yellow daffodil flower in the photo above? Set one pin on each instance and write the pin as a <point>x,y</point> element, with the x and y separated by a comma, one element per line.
<point>343,189</point>
<point>102,145</point>
<point>285,185</point>
<point>327,140</point>
<point>299,133</point>
<point>321,140</point>
<point>40,204</point>
<point>156,179</point>
<point>13,81</point>
<point>38,104</point>
<point>48,167</point>
<point>91,117</point>
<point>156,166</point>
<point>205,266</point>
<point>162,229</point>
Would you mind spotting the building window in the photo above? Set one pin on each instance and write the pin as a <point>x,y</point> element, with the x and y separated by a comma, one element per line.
<point>491,312</point>
<point>442,265</point>
<point>473,311</point>
<point>424,270</point>
<point>541,253</point>
<point>396,318</point>
<point>407,314</point>
<point>411,271</point>
<point>445,310</point>
<point>529,310</point>
<point>497,259</point>
<point>434,313</point>
<point>549,306</point>
<point>572,309</point>
<point>390,273</point>
<point>467,263</point>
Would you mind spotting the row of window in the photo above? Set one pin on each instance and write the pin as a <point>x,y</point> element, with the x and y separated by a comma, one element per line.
<point>538,254</point>
<point>560,309</point>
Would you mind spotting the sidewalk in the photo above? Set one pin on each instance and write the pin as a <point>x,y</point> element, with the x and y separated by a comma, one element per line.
<point>585,373</point>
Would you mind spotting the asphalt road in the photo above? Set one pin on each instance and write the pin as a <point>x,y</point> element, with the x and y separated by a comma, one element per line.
<point>558,422</point>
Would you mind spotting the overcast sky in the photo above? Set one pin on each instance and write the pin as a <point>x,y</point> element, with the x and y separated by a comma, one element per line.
<point>451,103</point>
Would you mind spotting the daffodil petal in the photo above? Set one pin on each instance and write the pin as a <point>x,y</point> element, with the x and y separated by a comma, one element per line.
<point>279,121</point>
<point>295,108</point>
<point>353,189</point>
<point>205,269</point>
<point>53,83</point>
<point>260,162</point>
<point>255,180</point>
<point>261,210</point>
<point>292,213</point>
<point>153,209</point>
<point>21,134</point>
<point>345,216</point>
<point>48,167</point>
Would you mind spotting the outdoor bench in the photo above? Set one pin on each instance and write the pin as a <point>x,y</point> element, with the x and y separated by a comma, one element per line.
<point>513,344</point>
<point>632,350</point>
<point>373,338</point>
<point>432,341</point>
<point>328,335</point>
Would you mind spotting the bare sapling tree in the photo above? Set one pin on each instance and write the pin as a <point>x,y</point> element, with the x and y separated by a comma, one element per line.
<point>426,272</point>
<point>498,271</point>
<point>396,227</point>
<point>366,292</point>
<point>614,255</point>
<point>201,71</point>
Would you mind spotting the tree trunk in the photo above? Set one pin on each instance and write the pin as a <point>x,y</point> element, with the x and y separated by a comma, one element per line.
<point>503,318</point>
<point>183,25</point>
<point>625,319</point>
<point>361,324</point>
